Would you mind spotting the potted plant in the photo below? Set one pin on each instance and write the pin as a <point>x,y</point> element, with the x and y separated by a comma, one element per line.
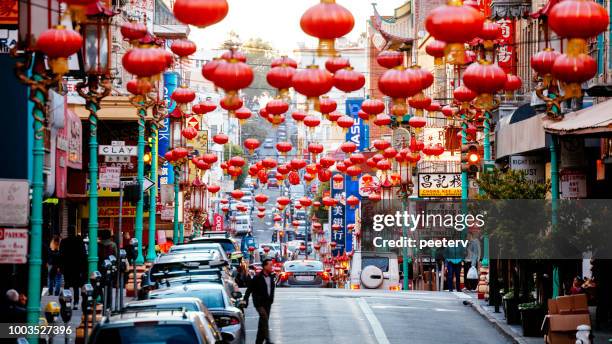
<point>532,315</point>
<point>511,307</point>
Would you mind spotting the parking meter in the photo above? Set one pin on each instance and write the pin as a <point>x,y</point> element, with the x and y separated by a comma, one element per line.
<point>134,243</point>
<point>123,263</point>
<point>65,300</point>
<point>96,282</point>
<point>87,294</point>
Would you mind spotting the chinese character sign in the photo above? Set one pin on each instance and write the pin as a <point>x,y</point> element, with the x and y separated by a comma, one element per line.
<point>505,51</point>
<point>439,185</point>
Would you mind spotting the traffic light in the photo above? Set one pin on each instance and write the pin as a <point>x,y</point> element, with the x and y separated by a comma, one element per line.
<point>470,158</point>
<point>147,157</point>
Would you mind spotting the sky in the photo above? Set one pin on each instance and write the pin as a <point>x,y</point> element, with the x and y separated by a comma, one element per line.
<point>278,21</point>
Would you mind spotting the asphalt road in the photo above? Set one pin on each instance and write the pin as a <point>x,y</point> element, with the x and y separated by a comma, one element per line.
<point>341,316</point>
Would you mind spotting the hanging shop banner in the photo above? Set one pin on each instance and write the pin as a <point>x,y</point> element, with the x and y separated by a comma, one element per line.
<point>218,222</point>
<point>13,245</point>
<point>171,80</point>
<point>485,7</point>
<point>338,216</point>
<point>439,184</point>
<point>359,134</point>
<point>506,54</point>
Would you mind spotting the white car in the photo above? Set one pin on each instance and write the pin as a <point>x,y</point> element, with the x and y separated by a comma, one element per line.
<point>375,270</point>
<point>248,200</point>
<point>274,249</point>
<point>242,224</point>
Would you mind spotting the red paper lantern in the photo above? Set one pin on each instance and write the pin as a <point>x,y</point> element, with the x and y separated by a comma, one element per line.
<point>294,178</point>
<point>189,133</point>
<point>305,201</point>
<point>183,47</point>
<point>251,144</point>
<point>277,107</point>
<point>280,77</point>
<point>208,69</point>
<point>133,30</point>
<point>327,105</point>
<point>352,201</point>
<point>357,158</point>
<point>232,76</point>
<point>138,87</point>
<point>315,148</point>
<point>269,163</point>
<point>354,172</point>
<point>299,116</point>
<point>348,80</point>
<point>237,194</point>
<point>283,200</point>
<point>213,189</point>
<point>324,175</point>
<point>200,13</point>
<point>261,198</point>
<point>283,61</point>
<point>417,122</point>
<point>234,55</point>
<point>312,82</point>
<point>327,21</point>
<point>374,197</point>
<point>144,62</point>
<point>329,201</point>
<point>327,161</point>
<point>210,158</point>
<point>237,161</point>
<point>284,147</point>
<point>373,106</point>
<point>464,94</point>
<point>573,71</point>
<point>382,119</point>
<point>390,59</point>
<point>345,122</point>
<point>381,145</point>
<point>542,62</point>
<point>578,19</point>
<point>436,49</point>
<point>59,42</point>
<point>484,78</point>
<point>220,139</point>
<point>311,121</point>
<point>513,83</point>
<point>297,164</point>
<point>243,114</point>
<point>183,95</point>
<point>204,107</point>
<point>334,64</point>
<point>348,147</point>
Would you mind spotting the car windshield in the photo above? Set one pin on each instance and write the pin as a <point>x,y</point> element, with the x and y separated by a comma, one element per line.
<point>149,333</point>
<point>227,245</point>
<point>303,266</point>
<point>381,262</point>
<point>242,221</point>
<point>212,298</point>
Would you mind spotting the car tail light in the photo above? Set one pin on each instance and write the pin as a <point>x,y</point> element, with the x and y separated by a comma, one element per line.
<point>395,287</point>
<point>285,275</point>
<point>223,321</point>
<point>355,286</point>
<point>324,275</point>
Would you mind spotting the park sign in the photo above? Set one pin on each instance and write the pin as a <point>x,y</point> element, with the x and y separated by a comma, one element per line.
<point>439,185</point>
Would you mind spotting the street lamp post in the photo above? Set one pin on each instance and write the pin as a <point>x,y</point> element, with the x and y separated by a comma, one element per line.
<point>142,103</point>
<point>39,84</point>
<point>158,113</point>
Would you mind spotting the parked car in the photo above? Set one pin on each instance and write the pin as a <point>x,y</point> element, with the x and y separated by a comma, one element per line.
<point>274,249</point>
<point>186,248</point>
<point>227,317</point>
<point>268,143</point>
<point>242,224</point>
<point>375,270</point>
<point>304,273</point>
<point>232,249</point>
<point>273,183</point>
<point>152,326</point>
<point>189,304</point>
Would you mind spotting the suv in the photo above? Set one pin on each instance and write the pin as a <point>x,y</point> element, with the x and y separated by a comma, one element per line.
<point>157,326</point>
<point>375,270</point>
<point>242,224</point>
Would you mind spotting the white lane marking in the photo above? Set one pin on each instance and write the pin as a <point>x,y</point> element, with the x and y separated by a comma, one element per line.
<point>379,306</point>
<point>259,230</point>
<point>379,333</point>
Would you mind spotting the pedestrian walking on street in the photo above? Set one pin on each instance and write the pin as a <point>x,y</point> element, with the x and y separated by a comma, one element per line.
<point>261,287</point>
<point>73,263</point>
<point>54,276</point>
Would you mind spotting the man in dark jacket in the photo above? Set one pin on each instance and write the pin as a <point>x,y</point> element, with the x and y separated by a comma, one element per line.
<point>261,287</point>
<point>73,263</point>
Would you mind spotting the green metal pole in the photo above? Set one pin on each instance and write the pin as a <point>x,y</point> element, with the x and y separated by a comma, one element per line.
<point>464,174</point>
<point>92,258</point>
<point>153,194</point>
<point>487,163</point>
<point>554,190</point>
<point>182,232</point>
<point>405,250</point>
<point>138,227</point>
<point>36,220</point>
<point>175,229</point>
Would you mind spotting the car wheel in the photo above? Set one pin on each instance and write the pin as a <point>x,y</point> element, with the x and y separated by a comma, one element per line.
<point>371,277</point>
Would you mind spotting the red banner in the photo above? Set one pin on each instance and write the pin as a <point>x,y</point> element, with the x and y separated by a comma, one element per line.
<point>218,222</point>
<point>506,54</point>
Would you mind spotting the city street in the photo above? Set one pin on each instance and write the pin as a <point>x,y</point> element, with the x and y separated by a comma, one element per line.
<point>368,317</point>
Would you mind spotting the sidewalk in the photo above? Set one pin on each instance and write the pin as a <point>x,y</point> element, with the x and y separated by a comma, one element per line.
<point>515,332</point>
<point>75,321</point>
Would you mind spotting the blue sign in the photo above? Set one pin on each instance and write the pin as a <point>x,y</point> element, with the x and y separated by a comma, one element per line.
<point>359,134</point>
<point>171,81</point>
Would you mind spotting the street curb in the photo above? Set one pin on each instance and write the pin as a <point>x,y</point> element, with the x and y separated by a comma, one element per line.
<point>500,326</point>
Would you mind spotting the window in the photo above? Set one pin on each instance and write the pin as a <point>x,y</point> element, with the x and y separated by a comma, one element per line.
<point>380,262</point>
<point>147,332</point>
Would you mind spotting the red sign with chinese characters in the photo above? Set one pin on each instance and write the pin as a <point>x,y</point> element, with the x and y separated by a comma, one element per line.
<point>505,50</point>
<point>485,7</point>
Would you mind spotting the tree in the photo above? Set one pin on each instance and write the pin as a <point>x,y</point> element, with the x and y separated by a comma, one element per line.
<point>257,128</point>
<point>510,184</point>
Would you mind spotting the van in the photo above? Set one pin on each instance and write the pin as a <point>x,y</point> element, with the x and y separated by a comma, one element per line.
<point>242,224</point>
<point>375,270</point>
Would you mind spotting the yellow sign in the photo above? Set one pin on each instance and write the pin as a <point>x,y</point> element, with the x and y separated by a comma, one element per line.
<point>200,142</point>
<point>439,185</point>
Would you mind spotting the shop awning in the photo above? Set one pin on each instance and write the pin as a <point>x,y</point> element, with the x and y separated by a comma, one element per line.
<point>520,132</point>
<point>116,108</point>
<point>592,120</point>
